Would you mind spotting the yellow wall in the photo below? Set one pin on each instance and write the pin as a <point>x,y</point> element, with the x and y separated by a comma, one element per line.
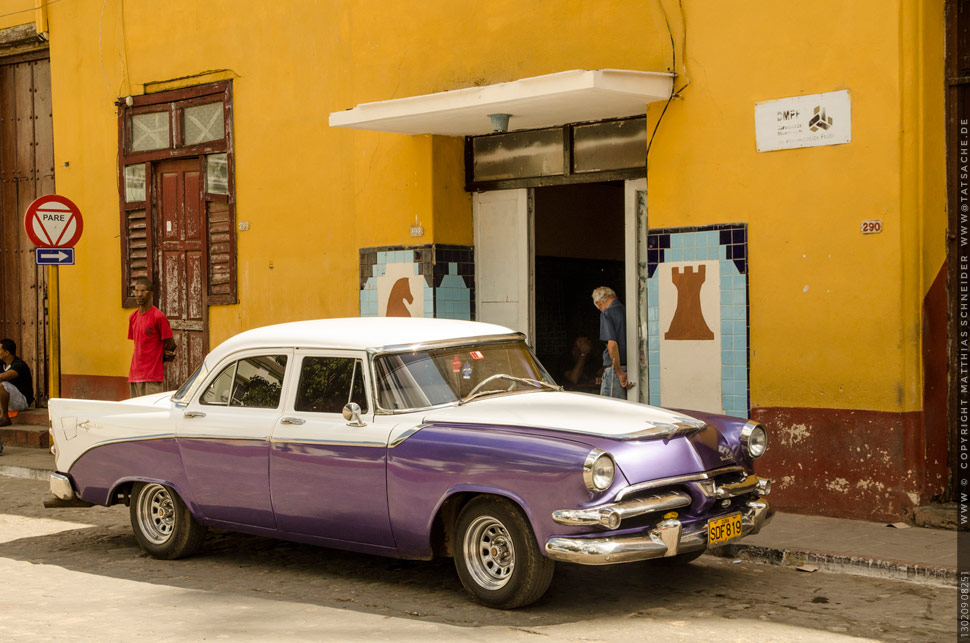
<point>834,314</point>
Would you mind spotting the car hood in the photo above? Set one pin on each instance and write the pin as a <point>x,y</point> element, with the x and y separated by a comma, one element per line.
<point>574,412</point>
<point>647,442</point>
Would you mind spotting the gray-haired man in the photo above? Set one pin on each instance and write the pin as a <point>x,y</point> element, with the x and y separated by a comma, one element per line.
<point>613,332</point>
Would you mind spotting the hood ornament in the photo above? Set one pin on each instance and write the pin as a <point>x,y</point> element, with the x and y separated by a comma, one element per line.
<point>681,425</point>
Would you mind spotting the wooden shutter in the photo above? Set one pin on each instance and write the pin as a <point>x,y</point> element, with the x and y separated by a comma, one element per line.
<point>222,253</point>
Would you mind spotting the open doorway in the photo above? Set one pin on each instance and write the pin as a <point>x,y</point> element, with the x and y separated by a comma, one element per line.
<point>579,245</point>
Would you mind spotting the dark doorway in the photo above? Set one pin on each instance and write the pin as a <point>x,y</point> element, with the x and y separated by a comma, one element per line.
<point>180,262</point>
<point>579,245</point>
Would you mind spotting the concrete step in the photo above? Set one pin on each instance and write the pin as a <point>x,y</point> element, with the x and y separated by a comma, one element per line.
<point>938,516</point>
<point>29,429</point>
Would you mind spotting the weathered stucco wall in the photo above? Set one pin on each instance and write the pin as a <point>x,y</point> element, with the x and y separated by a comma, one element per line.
<point>835,316</point>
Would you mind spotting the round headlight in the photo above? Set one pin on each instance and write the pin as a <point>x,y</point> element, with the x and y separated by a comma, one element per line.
<point>599,470</point>
<point>754,439</point>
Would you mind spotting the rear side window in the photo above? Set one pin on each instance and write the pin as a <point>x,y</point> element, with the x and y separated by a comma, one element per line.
<point>255,382</point>
<point>328,383</point>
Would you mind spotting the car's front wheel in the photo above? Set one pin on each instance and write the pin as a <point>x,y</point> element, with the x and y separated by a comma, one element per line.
<point>497,557</point>
<point>163,525</point>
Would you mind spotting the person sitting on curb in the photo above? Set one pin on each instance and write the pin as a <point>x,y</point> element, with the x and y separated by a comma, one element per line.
<point>17,392</point>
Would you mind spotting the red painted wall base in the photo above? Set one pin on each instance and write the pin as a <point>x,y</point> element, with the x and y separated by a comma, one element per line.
<point>869,465</point>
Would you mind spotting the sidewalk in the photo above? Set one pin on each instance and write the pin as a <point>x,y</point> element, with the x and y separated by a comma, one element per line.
<point>808,543</point>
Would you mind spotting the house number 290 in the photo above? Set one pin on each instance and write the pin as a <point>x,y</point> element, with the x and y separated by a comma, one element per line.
<point>871,227</point>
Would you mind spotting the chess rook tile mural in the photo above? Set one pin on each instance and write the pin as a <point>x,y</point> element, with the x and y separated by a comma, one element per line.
<point>697,318</point>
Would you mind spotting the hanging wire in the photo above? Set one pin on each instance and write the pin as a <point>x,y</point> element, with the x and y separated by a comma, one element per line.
<point>14,13</point>
<point>673,67</point>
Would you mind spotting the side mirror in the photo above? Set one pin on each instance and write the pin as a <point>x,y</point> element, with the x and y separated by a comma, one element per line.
<point>352,414</point>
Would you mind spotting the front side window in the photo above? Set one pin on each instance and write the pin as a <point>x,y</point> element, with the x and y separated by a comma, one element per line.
<point>328,383</point>
<point>445,375</point>
<point>255,382</point>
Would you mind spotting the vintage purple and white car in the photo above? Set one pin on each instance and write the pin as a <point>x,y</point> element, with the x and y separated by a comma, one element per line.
<point>412,438</point>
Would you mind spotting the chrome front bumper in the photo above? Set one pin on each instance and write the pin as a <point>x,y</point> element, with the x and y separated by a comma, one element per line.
<point>668,538</point>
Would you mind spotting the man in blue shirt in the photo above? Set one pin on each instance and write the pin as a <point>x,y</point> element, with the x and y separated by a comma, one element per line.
<point>613,332</point>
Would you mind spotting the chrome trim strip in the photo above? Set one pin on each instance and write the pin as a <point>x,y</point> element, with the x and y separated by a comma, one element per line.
<point>331,443</point>
<point>61,486</point>
<point>692,477</point>
<point>668,538</point>
<point>733,489</point>
<point>404,436</point>
<point>611,515</point>
<point>444,343</point>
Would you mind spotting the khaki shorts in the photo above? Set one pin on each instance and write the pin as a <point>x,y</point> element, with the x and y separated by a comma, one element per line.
<point>137,389</point>
<point>17,401</point>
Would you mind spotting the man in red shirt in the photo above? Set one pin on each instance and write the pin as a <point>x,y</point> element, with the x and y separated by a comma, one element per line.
<point>154,345</point>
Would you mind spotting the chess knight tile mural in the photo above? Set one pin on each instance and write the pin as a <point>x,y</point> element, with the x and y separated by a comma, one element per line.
<point>436,280</point>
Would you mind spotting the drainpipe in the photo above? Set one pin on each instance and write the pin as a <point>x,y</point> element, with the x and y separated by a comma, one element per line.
<point>40,18</point>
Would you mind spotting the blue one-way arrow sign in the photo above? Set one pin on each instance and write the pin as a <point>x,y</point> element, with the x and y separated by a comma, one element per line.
<point>54,256</point>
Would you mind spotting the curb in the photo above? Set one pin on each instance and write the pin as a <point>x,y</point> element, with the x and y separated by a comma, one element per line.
<point>12,471</point>
<point>940,575</point>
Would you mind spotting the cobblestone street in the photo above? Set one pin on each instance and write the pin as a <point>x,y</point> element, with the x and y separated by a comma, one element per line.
<point>77,574</point>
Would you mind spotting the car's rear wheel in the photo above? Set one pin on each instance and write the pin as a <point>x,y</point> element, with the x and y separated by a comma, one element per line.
<point>497,557</point>
<point>163,525</point>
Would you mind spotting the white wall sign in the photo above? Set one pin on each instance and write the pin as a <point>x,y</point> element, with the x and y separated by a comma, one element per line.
<point>803,121</point>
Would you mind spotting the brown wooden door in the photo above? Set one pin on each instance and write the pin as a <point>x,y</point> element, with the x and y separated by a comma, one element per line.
<point>26,172</point>
<point>180,269</point>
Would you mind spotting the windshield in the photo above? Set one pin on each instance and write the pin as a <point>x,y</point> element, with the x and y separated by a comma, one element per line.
<point>446,375</point>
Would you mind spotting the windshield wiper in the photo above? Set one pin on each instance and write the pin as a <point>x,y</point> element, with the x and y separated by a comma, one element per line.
<point>477,392</point>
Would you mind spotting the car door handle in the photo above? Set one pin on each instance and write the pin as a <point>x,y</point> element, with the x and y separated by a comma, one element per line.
<point>292,421</point>
<point>193,414</point>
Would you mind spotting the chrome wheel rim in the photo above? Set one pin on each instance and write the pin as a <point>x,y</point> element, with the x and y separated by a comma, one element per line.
<point>156,514</point>
<point>489,552</point>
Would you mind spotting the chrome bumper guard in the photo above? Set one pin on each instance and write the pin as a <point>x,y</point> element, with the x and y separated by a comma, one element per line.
<point>61,486</point>
<point>611,515</point>
<point>668,538</point>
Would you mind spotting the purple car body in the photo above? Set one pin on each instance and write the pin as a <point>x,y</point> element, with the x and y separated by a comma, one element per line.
<point>414,439</point>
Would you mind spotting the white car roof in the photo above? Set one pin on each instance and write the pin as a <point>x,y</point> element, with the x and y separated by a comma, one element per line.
<point>356,333</point>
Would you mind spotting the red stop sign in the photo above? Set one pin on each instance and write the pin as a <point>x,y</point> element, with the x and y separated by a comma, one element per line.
<point>53,221</point>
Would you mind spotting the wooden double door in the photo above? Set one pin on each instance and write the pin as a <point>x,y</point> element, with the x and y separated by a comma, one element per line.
<point>180,261</point>
<point>26,172</point>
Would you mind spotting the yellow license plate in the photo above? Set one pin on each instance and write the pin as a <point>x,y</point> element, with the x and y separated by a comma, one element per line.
<point>722,529</point>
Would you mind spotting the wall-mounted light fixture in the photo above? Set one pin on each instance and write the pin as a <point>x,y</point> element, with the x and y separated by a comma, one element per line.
<point>500,122</point>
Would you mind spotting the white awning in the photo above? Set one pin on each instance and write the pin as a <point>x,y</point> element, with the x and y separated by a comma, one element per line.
<point>540,101</point>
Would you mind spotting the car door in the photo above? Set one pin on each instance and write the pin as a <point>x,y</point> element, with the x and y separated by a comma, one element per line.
<point>224,436</point>
<point>328,476</point>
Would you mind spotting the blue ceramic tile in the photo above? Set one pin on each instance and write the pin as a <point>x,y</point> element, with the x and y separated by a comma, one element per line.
<point>676,241</point>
